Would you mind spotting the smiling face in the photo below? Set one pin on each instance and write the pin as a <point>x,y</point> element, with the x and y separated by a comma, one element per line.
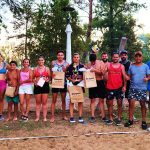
<point>123,56</point>
<point>26,63</point>
<point>41,61</point>
<point>138,59</point>
<point>60,56</point>
<point>13,66</point>
<point>115,58</point>
<point>104,57</point>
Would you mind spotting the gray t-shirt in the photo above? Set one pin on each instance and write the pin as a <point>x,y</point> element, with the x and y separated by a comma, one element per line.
<point>137,74</point>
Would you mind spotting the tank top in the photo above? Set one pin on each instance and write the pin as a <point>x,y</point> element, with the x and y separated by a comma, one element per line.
<point>59,67</point>
<point>25,76</point>
<point>3,70</point>
<point>114,78</point>
<point>41,74</point>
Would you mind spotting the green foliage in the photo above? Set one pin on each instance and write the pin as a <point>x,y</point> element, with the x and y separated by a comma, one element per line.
<point>47,32</point>
<point>114,20</point>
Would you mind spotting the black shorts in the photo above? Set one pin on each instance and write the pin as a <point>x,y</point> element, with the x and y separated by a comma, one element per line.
<point>42,90</point>
<point>117,93</point>
<point>56,90</point>
<point>99,91</point>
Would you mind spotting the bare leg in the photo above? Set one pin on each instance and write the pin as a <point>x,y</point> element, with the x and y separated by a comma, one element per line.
<point>92,106</point>
<point>143,110</point>
<point>71,109</point>
<point>44,106</point>
<point>21,97</point>
<point>101,106</point>
<point>38,106</point>
<point>15,111</point>
<point>110,109</point>
<point>9,111</point>
<point>1,102</point>
<point>131,108</point>
<point>119,103</point>
<point>63,96</point>
<point>54,99</point>
<point>80,107</point>
<point>28,97</point>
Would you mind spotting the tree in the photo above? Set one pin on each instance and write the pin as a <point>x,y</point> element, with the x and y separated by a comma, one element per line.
<point>114,20</point>
<point>47,31</point>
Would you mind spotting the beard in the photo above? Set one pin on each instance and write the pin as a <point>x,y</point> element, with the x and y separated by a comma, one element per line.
<point>104,60</point>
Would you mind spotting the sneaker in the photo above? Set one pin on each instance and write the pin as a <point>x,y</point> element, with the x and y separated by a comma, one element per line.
<point>109,122</point>
<point>144,125</point>
<point>1,118</point>
<point>104,119</point>
<point>72,120</point>
<point>118,122</point>
<point>92,119</point>
<point>129,123</point>
<point>80,120</point>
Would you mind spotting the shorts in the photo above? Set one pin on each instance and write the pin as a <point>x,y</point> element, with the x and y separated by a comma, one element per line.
<point>26,89</point>
<point>13,99</point>
<point>99,91</point>
<point>2,85</point>
<point>56,90</point>
<point>42,90</point>
<point>117,93</point>
<point>139,95</point>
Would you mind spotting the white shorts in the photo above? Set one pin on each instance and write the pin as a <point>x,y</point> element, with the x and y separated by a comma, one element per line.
<point>26,89</point>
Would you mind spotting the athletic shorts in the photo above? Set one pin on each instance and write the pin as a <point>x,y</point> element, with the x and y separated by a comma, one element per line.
<point>13,99</point>
<point>117,93</point>
<point>2,85</point>
<point>99,91</point>
<point>42,90</point>
<point>57,90</point>
<point>139,95</point>
<point>26,89</point>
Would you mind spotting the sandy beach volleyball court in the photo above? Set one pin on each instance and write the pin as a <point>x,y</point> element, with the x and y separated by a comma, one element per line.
<point>76,138</point>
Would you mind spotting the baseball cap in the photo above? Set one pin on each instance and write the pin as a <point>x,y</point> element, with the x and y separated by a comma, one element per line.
<point>123,52</point>
<point>138,53</point>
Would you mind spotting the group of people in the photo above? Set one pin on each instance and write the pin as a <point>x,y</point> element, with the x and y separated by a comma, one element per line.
<point>117,79</point>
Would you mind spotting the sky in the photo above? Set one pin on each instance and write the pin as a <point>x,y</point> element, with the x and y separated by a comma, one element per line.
<point>142,17</point>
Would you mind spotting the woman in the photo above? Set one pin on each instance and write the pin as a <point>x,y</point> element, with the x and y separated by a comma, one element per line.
<point>41,78</point>
<point>3,67</point>
<point>25,88</point>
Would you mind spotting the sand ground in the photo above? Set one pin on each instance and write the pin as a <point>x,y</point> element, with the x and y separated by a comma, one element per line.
<point>76,138</point>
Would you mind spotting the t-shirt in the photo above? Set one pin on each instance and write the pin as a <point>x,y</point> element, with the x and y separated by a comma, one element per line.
<point>74,72</point>
<point>138,73</point>
<point>148,85</point>
<point>126,64</point>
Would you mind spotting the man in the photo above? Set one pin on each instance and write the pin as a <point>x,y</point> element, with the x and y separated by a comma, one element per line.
<point>115,88</point>
<point>104,57</point>
<point>61,65</point>
<point>75,76</point>
<point>148,86</point>
<point>97,92</point>
<point>124,61</point>
<point>139,74</point>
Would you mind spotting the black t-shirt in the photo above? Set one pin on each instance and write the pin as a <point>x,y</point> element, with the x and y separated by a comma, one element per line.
<point>126,65</point>
<point>73,72</point>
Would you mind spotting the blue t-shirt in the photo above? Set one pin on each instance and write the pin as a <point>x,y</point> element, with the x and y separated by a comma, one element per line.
<point>137,74</point>
<point>148,85</point>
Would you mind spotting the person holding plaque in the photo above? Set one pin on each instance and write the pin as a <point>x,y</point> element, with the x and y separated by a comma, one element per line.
<point>57,66</point>
<point>75,77</point>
